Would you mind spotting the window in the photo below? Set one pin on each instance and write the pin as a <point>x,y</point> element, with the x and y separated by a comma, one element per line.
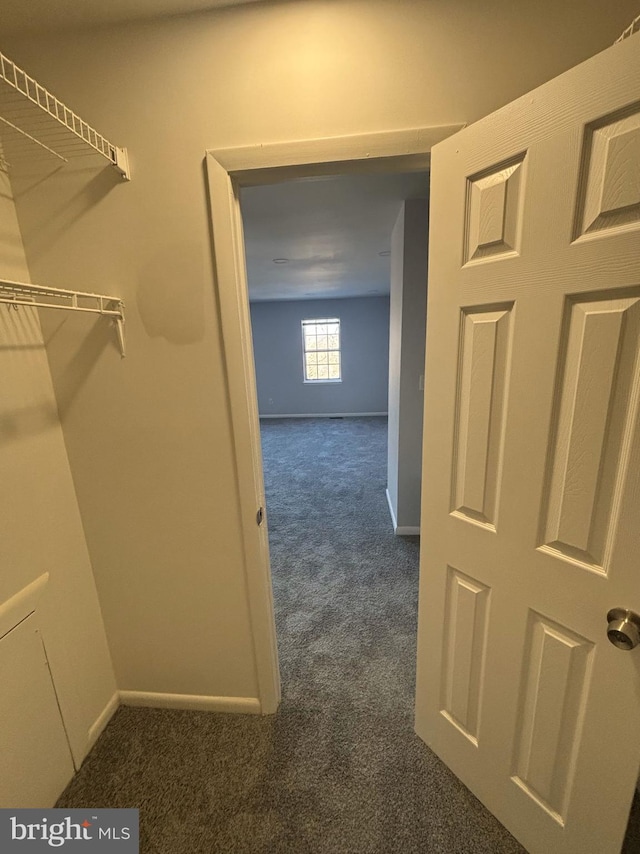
<point>321,350</point>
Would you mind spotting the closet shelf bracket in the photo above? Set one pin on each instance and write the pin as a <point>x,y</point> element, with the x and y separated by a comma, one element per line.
<point>15,294</point>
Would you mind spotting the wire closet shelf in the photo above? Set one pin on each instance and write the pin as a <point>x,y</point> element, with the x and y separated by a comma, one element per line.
<point>31,116</point>
<point>38,296</point>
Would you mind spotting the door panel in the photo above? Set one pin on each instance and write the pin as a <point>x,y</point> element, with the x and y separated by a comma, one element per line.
<point>485,351</point>
<point>555,672</point>
<point>532,458</point>
<point>588,451</point>
<point>465,627</point>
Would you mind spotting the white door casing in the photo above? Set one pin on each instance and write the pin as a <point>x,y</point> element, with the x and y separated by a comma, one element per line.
<point>227,171</point>
<point>531,482</point>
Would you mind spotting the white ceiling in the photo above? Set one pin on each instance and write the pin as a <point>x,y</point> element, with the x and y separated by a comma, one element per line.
<point>23,16</point>
<point>331,230</point>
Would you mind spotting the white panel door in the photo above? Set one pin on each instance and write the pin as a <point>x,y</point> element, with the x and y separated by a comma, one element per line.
<point>531,496</point>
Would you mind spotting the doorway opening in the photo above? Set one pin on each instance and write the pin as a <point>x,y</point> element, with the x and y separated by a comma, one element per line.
<point>336,272</point>
<point>228,171</point>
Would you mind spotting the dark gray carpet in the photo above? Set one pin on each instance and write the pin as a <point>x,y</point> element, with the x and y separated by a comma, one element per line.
<point>339,769</point>
<point>345,587</point>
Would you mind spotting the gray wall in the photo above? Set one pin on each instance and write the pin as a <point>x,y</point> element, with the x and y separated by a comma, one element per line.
<point>277,343</point>
<point>408,316</point>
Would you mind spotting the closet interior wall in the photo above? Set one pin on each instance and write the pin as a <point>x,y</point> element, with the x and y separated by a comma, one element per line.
<point>41,533</point>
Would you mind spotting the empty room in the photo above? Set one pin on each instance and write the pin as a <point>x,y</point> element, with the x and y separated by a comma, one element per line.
<point>335,269</point>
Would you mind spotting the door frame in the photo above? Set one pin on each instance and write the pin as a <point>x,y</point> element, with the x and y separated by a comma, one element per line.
<point>228,170</point>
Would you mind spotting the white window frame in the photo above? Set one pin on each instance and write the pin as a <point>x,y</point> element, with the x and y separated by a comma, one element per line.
<point>338,349</point>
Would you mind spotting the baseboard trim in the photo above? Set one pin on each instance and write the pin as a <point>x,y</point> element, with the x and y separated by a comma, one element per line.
<point>97,727</point>
<point>391,511</point>
<point>326,415</point>
<point>402,530</point>
<point>196,702</point>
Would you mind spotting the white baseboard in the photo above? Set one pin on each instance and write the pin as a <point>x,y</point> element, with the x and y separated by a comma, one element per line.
<point>326,415</point>
<point>402,530</point>
<point>391,510</point>
<point>196,702</point>
<point>96,729</point>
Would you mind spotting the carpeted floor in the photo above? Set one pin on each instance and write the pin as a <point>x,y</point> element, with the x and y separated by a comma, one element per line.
<point>339,769</point>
